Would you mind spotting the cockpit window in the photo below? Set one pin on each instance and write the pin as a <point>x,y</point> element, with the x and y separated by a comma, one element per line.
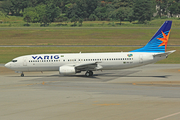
<point>14,60</point>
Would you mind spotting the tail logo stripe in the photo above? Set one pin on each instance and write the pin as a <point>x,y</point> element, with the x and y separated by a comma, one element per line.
<point>164,39</point>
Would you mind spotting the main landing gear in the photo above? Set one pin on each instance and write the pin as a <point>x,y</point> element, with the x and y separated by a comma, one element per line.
<point>89,73</point>
<point>22,74</point>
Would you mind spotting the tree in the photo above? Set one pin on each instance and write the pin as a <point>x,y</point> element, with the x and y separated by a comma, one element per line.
<point>72,11</point>
<point>4,16</point>
<point>74,20</point>
<point>80,21</point>
<point>52,11</point>
<point>30,15</point>
<point>143,10</point>
<point>161,7</point>
<point>42,13</point>
<point>130,15</point>
<point>109,9</point>
<point>7,7</point>
<point>81,8</point>
<point>43,17</point>
<point>14,7</point>
<point>173,7</point>
<point>100,12</point>
<point>93,17</point>
<point>123,13</point>
<point>122,3</point>
<point>91,6</point>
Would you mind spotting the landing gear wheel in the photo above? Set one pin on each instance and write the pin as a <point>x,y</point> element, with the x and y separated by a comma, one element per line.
<point>89,73</point>
<point>22,74</point>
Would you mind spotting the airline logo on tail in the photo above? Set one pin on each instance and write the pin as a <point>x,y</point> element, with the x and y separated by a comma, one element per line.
<point>164,39</point>
<point>158,42</point>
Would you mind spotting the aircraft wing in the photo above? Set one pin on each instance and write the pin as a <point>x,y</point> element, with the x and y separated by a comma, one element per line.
<point>88,66</point>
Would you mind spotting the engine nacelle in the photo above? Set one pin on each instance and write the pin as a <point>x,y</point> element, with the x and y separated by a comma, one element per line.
<point>68,70</point>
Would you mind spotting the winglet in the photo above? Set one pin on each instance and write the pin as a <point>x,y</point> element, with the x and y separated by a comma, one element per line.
<point>158,42</point>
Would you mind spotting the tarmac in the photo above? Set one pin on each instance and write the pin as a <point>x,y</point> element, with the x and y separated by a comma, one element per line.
<point>150,92</point>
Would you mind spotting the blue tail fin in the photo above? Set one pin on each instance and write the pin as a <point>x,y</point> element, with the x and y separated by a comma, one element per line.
<point>158,42</point>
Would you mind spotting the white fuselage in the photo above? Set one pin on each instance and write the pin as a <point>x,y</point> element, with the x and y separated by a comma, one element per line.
<point>106,61</point>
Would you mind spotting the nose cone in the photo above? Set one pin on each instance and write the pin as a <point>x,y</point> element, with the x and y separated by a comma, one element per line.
<point>7,65</point>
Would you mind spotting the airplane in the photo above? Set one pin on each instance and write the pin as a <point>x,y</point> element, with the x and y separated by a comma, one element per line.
<point>69,64</point>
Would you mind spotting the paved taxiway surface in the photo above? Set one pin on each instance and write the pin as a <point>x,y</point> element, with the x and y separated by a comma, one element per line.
<point>145,93</point>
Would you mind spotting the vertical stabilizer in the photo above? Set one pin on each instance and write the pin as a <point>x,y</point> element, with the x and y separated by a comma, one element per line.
<point>158,42</point>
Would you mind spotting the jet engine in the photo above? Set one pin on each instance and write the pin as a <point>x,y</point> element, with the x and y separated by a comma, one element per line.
<point>68,70</point>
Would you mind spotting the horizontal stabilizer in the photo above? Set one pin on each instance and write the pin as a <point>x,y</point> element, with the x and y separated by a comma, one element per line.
<point>164,54</point>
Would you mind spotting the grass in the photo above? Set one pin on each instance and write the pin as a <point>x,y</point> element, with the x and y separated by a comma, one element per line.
<point>14,21</point>
<point>81,36</point>
<point>12,32</point>
<point>7,54</point>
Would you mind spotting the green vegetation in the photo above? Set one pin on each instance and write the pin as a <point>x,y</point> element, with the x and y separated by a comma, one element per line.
<point>50,11</point>
<point>7,54</point>
<point>94,22</point>
<point>81,36</point>
<point>143,10</point>
<point>16,21</point>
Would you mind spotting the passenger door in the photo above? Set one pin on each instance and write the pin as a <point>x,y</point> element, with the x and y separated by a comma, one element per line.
<point>24,61</point>
<point>141,58</point>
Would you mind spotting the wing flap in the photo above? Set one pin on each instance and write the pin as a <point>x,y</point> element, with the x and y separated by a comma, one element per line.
<point>88,66</point>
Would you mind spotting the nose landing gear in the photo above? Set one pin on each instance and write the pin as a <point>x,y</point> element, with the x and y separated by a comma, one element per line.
<point>89,73</point>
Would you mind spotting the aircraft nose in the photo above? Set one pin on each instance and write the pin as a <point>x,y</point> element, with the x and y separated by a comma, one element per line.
<point>7,65</point>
